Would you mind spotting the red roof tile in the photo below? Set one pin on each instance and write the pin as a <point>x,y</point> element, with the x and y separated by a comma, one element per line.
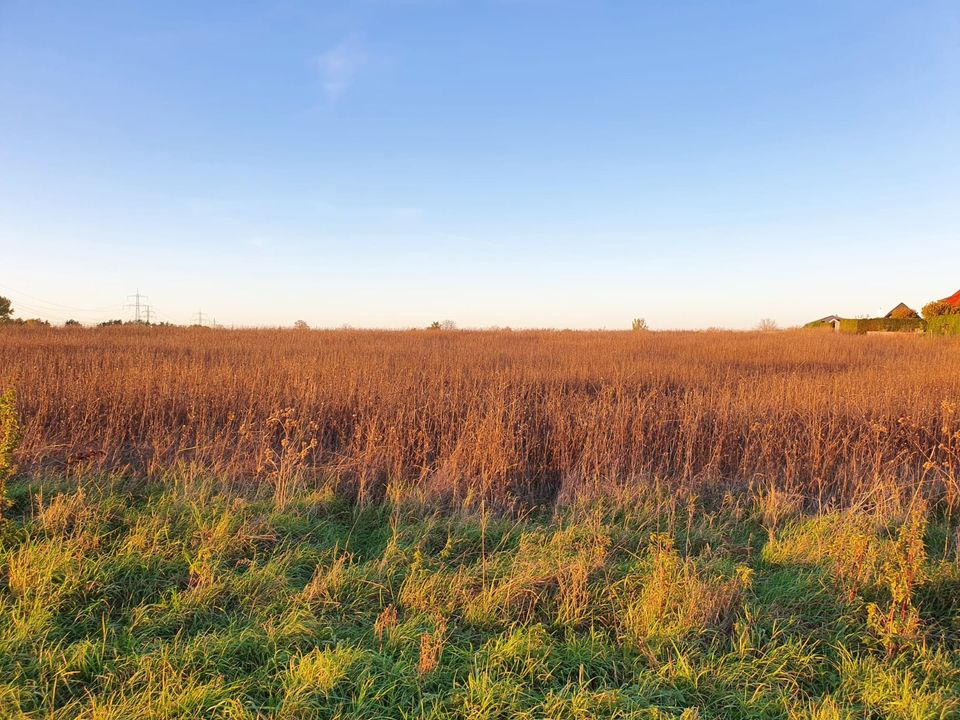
<point>953,299</point>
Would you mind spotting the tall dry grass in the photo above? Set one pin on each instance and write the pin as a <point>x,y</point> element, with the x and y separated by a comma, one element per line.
<point>498,416</point>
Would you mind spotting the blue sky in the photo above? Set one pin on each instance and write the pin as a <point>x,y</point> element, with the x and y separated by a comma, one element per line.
<point>529,163</point>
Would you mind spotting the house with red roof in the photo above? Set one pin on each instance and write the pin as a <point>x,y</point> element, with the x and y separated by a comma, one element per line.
<point>953,300</point>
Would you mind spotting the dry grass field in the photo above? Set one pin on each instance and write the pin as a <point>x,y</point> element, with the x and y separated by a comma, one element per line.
<point>348,524</point>
<point>507,417</point>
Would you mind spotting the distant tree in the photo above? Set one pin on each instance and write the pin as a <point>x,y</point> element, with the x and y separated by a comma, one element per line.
<point>301,325</point>
<point>938,307</point>
<point>108,323</point>
<point>72,323</point>
<point>639,325</point>
<point>435,325</point>
<point>767,325</point>
<point>35,322</point>
<point>6,309</point>
<point>448,325</point>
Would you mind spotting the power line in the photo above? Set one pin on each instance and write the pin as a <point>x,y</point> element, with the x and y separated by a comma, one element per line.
<point>34,300</point>
<point>136,304</point>
<point>142,310</point>
<point>58,315</point>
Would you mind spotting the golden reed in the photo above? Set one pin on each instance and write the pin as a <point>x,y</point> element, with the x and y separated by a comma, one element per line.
<point>506,416</point>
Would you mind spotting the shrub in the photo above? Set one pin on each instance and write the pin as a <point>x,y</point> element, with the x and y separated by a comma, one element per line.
<point>639,325</point>
<point>938,308</point>
<point>944,325</point>
<point>442,325</point>
<point>865,325</point>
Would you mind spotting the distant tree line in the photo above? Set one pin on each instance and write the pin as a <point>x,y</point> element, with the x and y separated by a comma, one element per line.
<point>7,318</point>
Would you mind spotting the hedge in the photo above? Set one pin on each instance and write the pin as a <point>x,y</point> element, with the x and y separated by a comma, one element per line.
<point>861,327</point>
<point>944,325</point>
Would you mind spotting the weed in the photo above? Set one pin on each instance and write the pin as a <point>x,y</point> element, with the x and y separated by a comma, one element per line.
<point>386,623</point>
<point>431,648</point>
<point>899,624</point>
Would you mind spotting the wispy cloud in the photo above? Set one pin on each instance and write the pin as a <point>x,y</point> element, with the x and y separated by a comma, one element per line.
<point>340,65</point>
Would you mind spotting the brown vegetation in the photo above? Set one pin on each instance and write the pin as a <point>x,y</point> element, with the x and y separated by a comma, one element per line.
<point>939,307</point>
<point>498,417</point>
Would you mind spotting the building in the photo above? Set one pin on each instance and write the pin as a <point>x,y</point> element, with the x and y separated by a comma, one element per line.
<point>953,300</point>
<point>831,320</point>
<point>902,312</point>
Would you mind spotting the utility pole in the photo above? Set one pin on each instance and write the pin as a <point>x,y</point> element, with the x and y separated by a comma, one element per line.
<point>199,317</point>
<point>149,313</point>
<point>136,305</point>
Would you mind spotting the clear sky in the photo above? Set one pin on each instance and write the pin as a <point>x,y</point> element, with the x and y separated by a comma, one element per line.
<point>530,163</point>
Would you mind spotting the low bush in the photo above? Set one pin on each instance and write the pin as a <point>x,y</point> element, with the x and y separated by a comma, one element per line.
<point>864,325</point>
<point>944,325</point>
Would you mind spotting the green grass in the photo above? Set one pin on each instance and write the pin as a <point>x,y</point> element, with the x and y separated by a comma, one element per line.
<point>119,601</point>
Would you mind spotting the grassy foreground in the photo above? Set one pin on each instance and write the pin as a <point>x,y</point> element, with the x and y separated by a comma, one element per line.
<point>118,601</point>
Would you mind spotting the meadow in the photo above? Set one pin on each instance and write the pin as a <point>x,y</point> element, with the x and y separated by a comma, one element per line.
<point>207,523</point>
